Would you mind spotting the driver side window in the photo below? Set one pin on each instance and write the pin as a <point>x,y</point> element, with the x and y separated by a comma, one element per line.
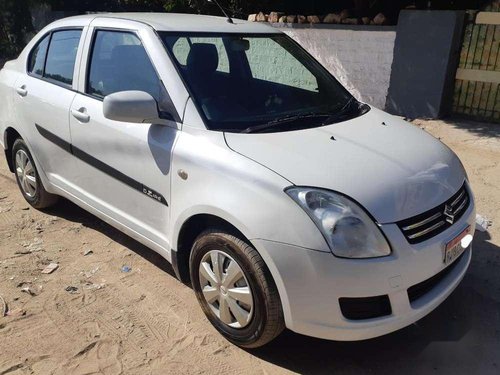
<point>119,62</point>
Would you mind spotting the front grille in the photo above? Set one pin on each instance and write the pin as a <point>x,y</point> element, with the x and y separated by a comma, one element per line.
<point>365,307</point>
<point>429,224</point>
<point>421,289</point>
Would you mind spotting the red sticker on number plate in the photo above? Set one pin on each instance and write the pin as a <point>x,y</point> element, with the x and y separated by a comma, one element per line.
<point>454,248</point>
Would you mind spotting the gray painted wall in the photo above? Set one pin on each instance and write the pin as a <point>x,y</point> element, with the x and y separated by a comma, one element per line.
<point>426,56</point>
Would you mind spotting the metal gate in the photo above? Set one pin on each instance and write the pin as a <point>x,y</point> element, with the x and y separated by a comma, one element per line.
<point>477,82</point>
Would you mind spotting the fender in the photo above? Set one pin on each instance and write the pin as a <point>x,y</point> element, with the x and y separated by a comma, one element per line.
<point>177,259</point>
<point>207,210</point>
<point>45,181</point>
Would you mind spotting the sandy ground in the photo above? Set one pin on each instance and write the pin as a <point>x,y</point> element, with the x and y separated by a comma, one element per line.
<point>146,322</point>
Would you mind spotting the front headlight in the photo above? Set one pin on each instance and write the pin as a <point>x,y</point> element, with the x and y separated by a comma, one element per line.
<point>349,231</point>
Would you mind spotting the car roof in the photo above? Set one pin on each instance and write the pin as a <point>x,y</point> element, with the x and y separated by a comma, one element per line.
<point>183,22</point>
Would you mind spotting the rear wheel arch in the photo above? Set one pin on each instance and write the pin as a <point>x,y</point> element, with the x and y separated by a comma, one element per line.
<point>27,176</point>
<point>9,137</point>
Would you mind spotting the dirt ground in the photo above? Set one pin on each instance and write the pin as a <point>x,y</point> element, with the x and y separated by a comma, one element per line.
<point>146,322</point>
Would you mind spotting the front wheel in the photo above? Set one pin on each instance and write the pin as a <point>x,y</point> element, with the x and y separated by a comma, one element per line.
<point>235,289</point>
<point>27,177</point>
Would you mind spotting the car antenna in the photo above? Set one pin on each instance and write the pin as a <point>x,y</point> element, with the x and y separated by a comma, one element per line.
<point>229,19</point>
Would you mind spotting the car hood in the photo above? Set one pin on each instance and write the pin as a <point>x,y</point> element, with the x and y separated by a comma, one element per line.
<point>392,168</point>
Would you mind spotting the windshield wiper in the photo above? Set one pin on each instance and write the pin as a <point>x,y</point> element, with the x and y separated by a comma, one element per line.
<point>345,111</point>
<point>283,120</point>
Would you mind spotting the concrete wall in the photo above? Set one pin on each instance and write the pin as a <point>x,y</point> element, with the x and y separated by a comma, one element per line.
<point>426,56</point>
<point>360,58</point>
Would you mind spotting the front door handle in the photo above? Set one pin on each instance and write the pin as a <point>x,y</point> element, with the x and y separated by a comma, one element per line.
<point>22,90</point>
<point>80,114</point>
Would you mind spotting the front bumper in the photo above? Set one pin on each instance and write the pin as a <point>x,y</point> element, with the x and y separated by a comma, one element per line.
<point>311,283</point>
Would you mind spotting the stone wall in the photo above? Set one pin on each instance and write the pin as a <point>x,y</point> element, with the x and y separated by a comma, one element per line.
<point>360,58</point>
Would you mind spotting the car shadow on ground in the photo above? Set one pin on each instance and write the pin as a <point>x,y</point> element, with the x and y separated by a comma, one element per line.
<point>461,335</point>
<point>71,212</point>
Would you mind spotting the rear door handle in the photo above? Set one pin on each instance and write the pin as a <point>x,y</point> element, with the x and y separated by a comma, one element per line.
<point>22,90</point>
<point>80,114</point>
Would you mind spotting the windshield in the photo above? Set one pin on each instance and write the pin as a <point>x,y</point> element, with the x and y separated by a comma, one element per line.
<point>258,82</point>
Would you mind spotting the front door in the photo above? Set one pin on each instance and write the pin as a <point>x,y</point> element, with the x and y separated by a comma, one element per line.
<point>123,168</point>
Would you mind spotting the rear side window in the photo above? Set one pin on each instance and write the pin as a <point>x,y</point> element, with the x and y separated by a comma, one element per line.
<point>37,57</point>
<point>61,56</point>
<point>119,62</point>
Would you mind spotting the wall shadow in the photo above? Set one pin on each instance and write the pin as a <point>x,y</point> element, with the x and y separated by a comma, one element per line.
<point>482,129</point>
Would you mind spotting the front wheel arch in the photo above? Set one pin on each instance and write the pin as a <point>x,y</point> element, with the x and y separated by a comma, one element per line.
<point>190,230</point>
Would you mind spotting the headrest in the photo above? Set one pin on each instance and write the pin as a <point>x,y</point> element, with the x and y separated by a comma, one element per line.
<point>203,58</point>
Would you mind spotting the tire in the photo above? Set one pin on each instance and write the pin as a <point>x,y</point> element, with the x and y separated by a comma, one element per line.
<point>35,194</point>
<point>265,316</point>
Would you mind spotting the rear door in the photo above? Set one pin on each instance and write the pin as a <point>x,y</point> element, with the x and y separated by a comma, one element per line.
<point>124,168</point>
<point>43,97</point>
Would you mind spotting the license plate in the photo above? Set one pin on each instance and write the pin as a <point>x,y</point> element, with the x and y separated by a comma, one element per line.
<point>454,249</point>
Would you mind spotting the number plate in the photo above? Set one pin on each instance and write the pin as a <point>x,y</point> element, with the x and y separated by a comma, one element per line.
<point>454,249</point>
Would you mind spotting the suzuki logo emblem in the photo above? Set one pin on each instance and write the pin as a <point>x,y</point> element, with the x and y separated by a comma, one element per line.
<point>448,212</point>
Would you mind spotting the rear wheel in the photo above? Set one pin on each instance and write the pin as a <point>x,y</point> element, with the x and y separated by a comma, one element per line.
<point>28,179</point>
<point>235,289</point>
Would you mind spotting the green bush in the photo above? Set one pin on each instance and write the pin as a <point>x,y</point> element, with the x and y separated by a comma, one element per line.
<point>15,25</point>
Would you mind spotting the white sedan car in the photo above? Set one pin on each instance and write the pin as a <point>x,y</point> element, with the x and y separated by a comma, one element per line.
<point>229,150</point>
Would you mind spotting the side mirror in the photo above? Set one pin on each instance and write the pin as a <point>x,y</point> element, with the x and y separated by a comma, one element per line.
<point>131,106</point>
